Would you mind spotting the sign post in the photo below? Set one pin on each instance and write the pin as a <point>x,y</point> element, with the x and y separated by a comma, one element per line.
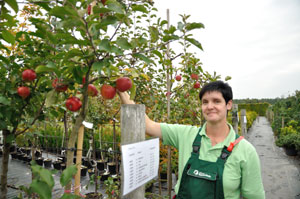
<point>133,129</point>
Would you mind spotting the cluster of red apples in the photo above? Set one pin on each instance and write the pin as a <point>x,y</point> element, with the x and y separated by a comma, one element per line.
<point>73,103</point>
<point>193,76</point>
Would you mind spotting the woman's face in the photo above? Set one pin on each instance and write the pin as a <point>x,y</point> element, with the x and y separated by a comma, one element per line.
<point>214,107</point>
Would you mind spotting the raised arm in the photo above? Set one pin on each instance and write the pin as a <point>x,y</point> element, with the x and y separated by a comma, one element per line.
<point>152,128</point>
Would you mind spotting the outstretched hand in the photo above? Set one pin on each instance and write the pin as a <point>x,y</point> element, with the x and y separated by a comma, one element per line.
<point>125,98</point>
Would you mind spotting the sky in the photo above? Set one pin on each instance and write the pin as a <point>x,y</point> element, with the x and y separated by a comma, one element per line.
<point>256,42</point>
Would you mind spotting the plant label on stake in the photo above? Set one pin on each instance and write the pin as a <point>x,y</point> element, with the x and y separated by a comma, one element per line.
<point>87,124</point>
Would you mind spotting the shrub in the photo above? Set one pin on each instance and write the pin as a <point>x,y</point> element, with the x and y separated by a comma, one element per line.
<point>289,141</point>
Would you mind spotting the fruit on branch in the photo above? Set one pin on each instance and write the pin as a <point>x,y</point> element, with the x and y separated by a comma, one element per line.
<point>89,9</point>
<point>28,75</point>
<point>197,85</point>
<point>178,77</point>
<point>123,84</point>
<point>186,95</point>
<point>83,80</point>
<point>168,94</point>
<point>73,104</point>
<point>23,91</point>
<point>108,92</point>
<point>59,86</point>
<point>103,2</point>
<point>92,90</point>
<point>194,76</point>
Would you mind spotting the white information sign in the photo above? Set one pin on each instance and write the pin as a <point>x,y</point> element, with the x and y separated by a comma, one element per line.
<point>140,163</point>
<point>245,119</point>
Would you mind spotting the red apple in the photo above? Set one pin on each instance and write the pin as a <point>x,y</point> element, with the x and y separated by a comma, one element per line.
<point>123,84</point>
<point>108,92</point>
<point>194,76</point>
<point>73,104</point>
<point>103,2</point>
<point>92,90</point>
<point>186,95</point>
<point>168,93</point>
<point>23,91</point>
<point>89,9</point>
<point>197,85</point>
<point>178,77</point>
<point>59,86</point>
<point>28,75</point>
<point>83,80</point>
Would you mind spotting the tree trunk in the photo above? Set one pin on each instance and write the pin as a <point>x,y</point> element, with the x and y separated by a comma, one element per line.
<point>6,148</point>
<point>71,144</point>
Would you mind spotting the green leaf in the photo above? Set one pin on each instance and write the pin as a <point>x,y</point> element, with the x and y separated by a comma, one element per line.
<point>51,67</point>
<point>13,4</point>
<point>50,98</point>
<point>227,78</point>
<point>4,100</point>
<point>99,65</point>
<point>73,53</point>
<point>191,26</point>
<point>108,21</point>
<point>140,8</point>
<point>7,36</point>
<point>10,138</point>
<point>116,50</point>
<point>115,6</point>
<point>42,189</point>
<point>123,43</point>
<point>67,175</point>
<point>194,42</point>
<point>157,53</point>
<point>105,45</point>
<point>143,57</point>
<point>180,25</point>
<point>154,34</point>
<point>69,196</point>
<point>132,91</point>
<point>170,37</point>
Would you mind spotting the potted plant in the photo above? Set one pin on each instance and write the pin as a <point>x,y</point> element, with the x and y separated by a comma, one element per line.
<point>289,142</point>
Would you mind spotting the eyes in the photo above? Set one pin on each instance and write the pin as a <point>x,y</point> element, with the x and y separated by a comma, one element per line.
<point>214,101</point>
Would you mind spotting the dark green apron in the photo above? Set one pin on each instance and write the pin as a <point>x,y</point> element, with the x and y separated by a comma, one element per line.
<point>203,179</point>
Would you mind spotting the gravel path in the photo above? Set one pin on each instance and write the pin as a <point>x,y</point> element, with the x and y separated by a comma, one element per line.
<point>281,173</point>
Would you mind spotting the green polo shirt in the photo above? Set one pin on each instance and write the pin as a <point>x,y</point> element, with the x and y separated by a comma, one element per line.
<point>242,174</point>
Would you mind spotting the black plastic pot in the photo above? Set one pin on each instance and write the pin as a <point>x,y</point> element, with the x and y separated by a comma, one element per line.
<point>28,151</point>
<point>47,163</point>
<point>83,170</point>
<point>101,165</point>
<point>104,176</point>
<point>19,155</point>
<point>13,155</point>
<point>57,165</point>
<point>63,166</point>
<point>40,161</point>
<point>112,168</point>
<point>163,175</point>
<point>290,151</point>
<point>93,195</point>
<point>38,154</point>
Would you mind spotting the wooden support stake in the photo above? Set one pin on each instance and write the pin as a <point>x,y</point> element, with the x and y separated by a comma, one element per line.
<point>243,122</point>
<point>78,159</point>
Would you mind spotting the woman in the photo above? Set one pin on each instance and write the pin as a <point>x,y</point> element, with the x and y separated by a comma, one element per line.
<point>214,162</point>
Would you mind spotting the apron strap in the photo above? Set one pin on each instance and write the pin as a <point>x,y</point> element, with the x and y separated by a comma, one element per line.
<point>197,142</point>
<point>226,151</point>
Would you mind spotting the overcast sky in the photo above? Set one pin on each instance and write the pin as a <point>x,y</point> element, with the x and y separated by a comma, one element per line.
<point>256,42</point>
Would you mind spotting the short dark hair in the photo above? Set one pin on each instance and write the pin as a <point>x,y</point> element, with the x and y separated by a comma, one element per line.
<point>220,86</point>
